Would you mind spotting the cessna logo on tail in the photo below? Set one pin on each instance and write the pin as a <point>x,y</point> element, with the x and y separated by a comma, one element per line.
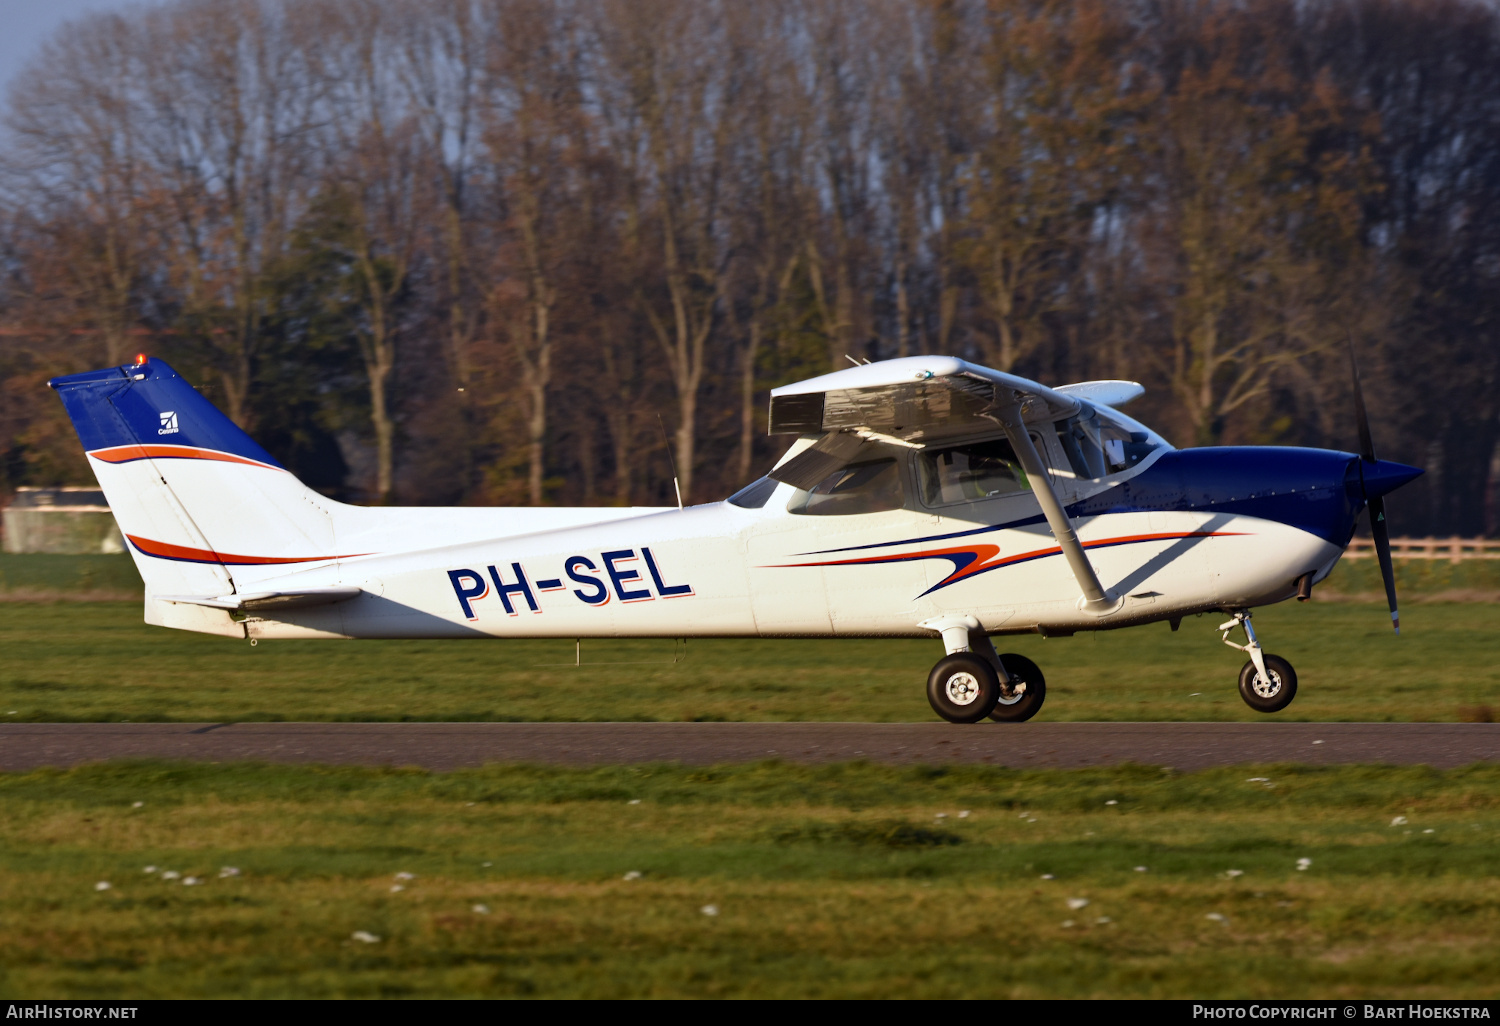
<point>168,423</point>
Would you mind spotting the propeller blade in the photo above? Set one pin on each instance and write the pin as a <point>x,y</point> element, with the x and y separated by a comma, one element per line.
<point>1366,444</point>
<point>1379,530</point>
<point>1382,539</point>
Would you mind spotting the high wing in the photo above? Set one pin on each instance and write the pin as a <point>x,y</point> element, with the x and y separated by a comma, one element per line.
<point>912,400</point>
<point>919,399</point>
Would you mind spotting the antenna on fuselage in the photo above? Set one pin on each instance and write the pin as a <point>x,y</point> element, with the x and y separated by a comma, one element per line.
<point>670,459</point>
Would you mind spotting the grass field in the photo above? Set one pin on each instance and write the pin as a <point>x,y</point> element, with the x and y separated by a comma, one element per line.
<point>1417,580</point>
<point>843,880</point>
<point>38,576</point>
<point>97,661</point>
<point>839,880</point>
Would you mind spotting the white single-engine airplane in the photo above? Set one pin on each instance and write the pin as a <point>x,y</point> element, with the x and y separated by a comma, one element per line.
<point>924,497</point>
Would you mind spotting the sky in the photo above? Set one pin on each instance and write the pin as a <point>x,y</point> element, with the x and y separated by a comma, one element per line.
<point>25,24</point>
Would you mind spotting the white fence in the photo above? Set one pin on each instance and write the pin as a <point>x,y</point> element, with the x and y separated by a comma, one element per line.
<point>1455,550</point>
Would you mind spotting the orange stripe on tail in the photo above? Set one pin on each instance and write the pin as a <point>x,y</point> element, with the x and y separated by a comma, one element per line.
<point>127,453</point>
<point>188,554</point>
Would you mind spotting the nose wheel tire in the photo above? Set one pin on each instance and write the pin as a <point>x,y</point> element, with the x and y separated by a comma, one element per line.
<point>1272,695</point>
<point>1022,698</point>
<point>963,688</point>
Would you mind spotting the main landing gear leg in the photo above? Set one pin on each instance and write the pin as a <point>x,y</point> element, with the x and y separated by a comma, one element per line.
<point>964,686</point>
<point>973,681</point>
<point>1267,682</point>
<point>1023,689</point>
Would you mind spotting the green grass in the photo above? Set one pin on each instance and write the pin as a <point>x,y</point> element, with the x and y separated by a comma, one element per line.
<point>1417,580</point>
<point>97,661</point>
<point>39,576</point>
<point>836,880</point>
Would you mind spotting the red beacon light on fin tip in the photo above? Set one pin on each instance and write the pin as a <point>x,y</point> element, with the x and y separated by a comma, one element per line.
<point>140,359</point>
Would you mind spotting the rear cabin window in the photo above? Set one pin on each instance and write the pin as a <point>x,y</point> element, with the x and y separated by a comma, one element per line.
<point>869,487</point>
<point>965,473</point>
<point>1096,446</point>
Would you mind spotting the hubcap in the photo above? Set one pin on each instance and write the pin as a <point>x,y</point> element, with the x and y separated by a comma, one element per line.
<point>1267,688</point>
<point>962,688</point>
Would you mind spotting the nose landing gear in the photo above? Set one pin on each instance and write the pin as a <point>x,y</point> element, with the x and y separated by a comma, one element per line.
<point>1267,682</point>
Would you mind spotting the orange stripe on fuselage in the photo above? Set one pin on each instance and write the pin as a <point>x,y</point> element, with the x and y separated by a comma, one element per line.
<point>127,453</point>
<point>986,556</point>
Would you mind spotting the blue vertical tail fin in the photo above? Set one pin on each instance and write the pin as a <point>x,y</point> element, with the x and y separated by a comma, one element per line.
<point>204,508</point>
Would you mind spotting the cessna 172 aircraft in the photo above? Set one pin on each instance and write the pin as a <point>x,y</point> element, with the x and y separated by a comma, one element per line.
<point>924,497</point>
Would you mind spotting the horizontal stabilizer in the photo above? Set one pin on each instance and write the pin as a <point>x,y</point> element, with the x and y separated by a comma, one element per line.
<point>259,601</point>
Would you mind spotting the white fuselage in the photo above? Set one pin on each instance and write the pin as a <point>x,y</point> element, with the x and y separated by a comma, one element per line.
<point>723,570</point>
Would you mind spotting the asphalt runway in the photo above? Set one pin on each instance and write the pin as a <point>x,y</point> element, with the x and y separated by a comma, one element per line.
<point>442,746</point>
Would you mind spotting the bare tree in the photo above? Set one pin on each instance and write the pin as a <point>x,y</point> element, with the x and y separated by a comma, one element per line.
<point>1235,228</point>
<point>230,101</point>
<point>442,49</point>
<point>534,139</point>
<point>423,215</point>
<point>765,163</point>
<point>373,184</point>
<point>668,99</point>
<point>839,194</point>
<point>74,170</point>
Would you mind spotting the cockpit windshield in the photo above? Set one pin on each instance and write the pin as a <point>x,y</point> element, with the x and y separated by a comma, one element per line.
<point>1101,443</point>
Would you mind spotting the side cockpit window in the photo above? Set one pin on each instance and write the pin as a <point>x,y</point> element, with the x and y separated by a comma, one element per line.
<point>868,487</point>
<point>966,473</point>
<point>1097,445</point>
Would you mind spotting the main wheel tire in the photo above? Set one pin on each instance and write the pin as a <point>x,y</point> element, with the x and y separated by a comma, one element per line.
<point>1273,695</point>
<point>962,688</point>
<point>1028,690</point>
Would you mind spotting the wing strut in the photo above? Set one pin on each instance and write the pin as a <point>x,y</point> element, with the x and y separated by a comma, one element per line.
<point>1096,599</point>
